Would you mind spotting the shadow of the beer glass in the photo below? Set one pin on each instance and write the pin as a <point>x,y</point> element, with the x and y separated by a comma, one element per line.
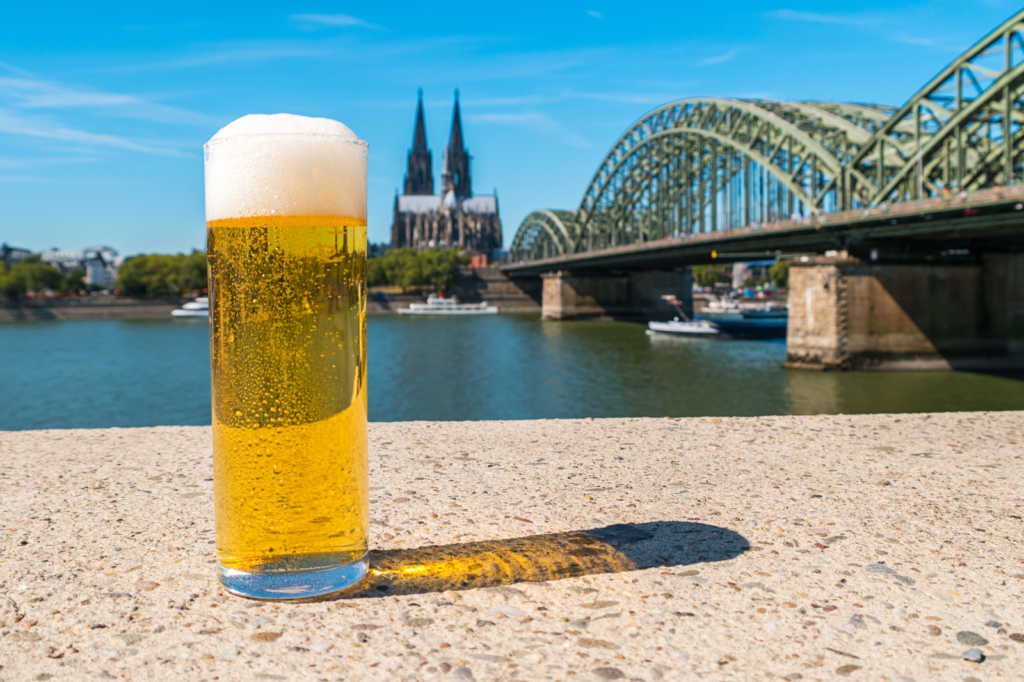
<point>554,556</point>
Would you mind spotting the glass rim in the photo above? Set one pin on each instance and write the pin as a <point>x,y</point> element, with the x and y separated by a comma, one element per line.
<point>312,136</point>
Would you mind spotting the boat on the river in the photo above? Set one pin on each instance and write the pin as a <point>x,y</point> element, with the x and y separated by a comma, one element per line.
<point>685,326</point>
<point>748,319</point>
<point>438,305</point>
<point>197,308</point>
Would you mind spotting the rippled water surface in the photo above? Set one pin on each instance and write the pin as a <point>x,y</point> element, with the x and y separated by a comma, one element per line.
<point>154,372</point>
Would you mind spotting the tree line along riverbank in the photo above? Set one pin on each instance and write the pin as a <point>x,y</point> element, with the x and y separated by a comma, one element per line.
<point>469,284</point>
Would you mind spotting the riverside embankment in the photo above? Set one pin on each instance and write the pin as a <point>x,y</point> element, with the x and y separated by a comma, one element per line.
<point>860,547</point>
<point>470,285</point>
<point>88,308</point>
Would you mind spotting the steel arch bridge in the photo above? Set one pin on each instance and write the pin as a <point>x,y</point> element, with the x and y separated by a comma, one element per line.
<point>704,165</point>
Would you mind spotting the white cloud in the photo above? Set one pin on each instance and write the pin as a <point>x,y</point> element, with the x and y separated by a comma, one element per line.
<point>596,15</point>
<point>48,161</point>
<point>718,59</point>
<point>15,70</point>
<point>24,178</point>
<point>30,92</point>
<point>532,100</point>
<point>818,18</point>
<point>536,122</point>
<point>903,27</point>
<point>14,124</point>
<point>914,40</point>
<point>312,22</point>
<point>22,96</point>
<point>223,57</point>
<point>36,94</point>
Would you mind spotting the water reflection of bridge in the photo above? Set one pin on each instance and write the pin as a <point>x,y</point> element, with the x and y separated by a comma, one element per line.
<point>909,197</point>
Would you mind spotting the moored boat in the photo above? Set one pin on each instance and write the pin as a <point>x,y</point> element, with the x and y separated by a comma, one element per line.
<point>747,319</point>
<point>437,305</point>
<point>197,308</point>
<point>687,327</point>
<point>682,327</point>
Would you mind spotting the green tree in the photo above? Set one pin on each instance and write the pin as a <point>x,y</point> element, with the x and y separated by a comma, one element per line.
<point>376,276</point>
<point>74,282</point>
<point>162,275</point>
<point>30,275</point>
<point>192,272</point>
<point>439,267</point>
<point>706,275</point>
<point>406,267</point>
<point>780,273</point>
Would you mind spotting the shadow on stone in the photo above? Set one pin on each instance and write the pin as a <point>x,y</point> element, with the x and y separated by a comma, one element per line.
<point>612,549</point>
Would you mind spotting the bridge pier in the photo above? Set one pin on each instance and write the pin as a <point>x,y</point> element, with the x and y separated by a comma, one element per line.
<point>632,295</point>
<point>849,314</point>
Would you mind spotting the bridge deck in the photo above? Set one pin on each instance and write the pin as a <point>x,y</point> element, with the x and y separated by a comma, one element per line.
<point>987,217</point>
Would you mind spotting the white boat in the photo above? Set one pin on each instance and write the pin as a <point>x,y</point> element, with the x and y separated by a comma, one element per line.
<point>197,308</point>
<point>685,326</point>
<point>750,319</point>
<point>437,305</point>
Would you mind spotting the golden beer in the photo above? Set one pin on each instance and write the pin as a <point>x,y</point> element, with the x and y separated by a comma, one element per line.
<point>288,366</point>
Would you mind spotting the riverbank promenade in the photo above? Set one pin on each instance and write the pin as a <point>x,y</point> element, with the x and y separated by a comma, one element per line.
<point>885,547</point>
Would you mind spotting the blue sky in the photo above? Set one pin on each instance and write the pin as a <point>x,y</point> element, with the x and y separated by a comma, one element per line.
<point>104,107</point>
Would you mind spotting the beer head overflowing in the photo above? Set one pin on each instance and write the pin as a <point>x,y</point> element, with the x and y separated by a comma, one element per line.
<point>285,165</point>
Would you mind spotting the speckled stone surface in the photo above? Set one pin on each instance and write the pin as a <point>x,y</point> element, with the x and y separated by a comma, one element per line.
<point>864,547</point>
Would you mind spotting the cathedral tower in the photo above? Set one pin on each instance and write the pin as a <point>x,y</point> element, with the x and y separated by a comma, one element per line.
<point>455,218</point>
<point>419,175</point>
<point>455,174</point>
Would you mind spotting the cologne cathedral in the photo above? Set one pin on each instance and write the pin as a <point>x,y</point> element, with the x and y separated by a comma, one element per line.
<point>453,218</point>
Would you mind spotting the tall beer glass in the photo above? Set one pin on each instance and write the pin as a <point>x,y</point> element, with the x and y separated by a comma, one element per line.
<point>286,248</point>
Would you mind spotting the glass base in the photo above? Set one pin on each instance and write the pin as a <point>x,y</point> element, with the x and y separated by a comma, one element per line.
<point>318,577</point>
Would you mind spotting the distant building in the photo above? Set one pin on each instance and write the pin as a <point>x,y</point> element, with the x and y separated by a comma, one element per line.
<point>99,262</point>
<point>65,261</point>
<point>454,218</point>
<point>12,254</point>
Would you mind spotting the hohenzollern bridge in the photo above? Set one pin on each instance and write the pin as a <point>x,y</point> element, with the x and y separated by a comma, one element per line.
<point>904,224</point>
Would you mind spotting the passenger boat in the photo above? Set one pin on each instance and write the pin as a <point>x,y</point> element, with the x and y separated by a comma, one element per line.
<point>685,326</point>
<point>764,319</point>
<point>437,305</point>
<point>197,308</point>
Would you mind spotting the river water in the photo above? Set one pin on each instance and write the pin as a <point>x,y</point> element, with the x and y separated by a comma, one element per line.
<point>94,374</point>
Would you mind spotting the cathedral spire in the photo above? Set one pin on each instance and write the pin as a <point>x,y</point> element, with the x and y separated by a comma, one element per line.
<point>455,142</point>
<point>419,138</point>
<point>455,175</point>
<point>419,175</point>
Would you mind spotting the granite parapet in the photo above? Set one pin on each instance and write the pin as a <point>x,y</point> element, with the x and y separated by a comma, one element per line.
<point>863,547</point>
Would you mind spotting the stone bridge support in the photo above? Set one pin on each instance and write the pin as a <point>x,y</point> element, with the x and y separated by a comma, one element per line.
<point>630,296</point>
<point>849,314</point>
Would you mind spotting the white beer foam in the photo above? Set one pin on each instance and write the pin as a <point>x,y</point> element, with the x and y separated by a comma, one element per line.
<point>285,165</point>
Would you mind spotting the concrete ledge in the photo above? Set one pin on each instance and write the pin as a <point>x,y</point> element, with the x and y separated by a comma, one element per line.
<point>872,547</point>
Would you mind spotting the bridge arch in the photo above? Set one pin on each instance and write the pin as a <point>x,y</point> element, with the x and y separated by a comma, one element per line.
<point>702,164</point>
<point>943,137</point>
<point>544,234</point>
<point>706,164</point>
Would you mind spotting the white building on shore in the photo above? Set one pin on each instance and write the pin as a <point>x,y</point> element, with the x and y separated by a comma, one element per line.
<point>99,262</point>
<point>12,254</point>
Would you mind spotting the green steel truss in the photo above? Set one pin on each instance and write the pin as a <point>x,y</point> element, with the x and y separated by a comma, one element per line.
<point>706,164</point>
